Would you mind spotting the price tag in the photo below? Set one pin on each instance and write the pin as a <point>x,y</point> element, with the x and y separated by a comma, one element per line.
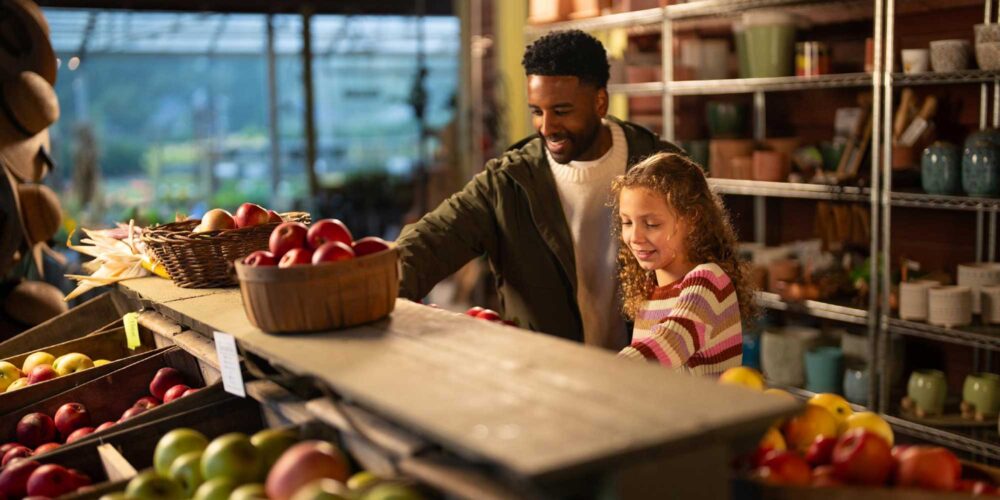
<point>131,321</point>
<point>229,364</point>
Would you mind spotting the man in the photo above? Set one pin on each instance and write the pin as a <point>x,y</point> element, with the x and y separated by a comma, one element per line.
<point>539,212</point>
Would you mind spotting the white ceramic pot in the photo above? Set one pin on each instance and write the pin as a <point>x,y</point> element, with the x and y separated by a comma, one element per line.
<point>855,347</point>
<point>913,299</point>
<point>949,306</point>
<point>782,354</point>
<point>976,275</point>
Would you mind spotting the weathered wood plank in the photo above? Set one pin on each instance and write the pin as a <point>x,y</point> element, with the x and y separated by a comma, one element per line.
<point>75,323</point>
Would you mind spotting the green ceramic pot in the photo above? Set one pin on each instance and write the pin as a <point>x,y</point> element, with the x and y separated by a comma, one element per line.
<point>927,389</point>
<point>982,390</point>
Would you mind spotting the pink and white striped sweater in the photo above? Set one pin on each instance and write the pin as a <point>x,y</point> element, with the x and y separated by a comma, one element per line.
<point>691,325</point>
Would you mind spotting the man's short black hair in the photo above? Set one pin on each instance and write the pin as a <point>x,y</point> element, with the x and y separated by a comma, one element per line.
<point>568,53</point>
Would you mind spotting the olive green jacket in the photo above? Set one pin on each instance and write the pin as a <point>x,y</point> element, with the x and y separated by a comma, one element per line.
<point>511,213</point>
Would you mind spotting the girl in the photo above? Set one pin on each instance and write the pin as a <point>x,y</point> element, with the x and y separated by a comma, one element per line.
<point>681,280</point>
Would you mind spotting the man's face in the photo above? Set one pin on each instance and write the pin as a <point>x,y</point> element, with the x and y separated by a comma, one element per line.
<point>567,114</point>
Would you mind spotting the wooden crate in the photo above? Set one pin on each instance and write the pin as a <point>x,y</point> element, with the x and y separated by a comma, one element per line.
<point>88,317</point>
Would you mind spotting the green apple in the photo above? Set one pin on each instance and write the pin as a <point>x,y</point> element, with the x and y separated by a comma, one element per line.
<point>17,384</point>
<point>215,489</point>
<point>151,486</point>
<point>174,444</point>
<point>392,491</point>
<point>252,491</point>
<point>71,363</point>
<point>186,470</point>
<point>8,374</point>
<point>362,480</point>
<point>113,496</point>
<point>37,358</point>
<point>271,443</point>
<point>231,455</point>
<point>323,489</point>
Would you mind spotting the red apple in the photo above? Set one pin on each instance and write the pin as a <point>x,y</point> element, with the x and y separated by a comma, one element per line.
<point>45,448</point>
<point>251,214</point>
<point>105,425</point>
<point>80,433</point>
<point>273,216</point>
<point>328,230</point>
<point>369,245</point>
<point>51,480</point>
<point>189,392</point>
<point>70,417</point>
<point>301,464</point>
<point>928,467</point>
<point>216,219</point>
<point>862,457</point>
<point>164,379</point>
<point>489,315</point>
<point>260,258</point>
<point>175,392</point>
<point>296,257</point>
<point>15,453</point>
<point>14,479</point>
<point>41,373</point>
<point>131,412</point>
<point>4,448</point>
<point>286,236</point>
<point>784,467</point>
<point>147,402</point>
<point>824,476</point>
<point>332,251</point>
<point>821,450</point>
<point>80,478</point>
<point>36,429</point>
<point>474,310</point>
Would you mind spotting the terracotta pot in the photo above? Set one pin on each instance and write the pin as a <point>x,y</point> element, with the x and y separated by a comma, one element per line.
<point>782,270</point>
<point>741,167</point>
<point>903,157</point>
<point>770,166</point>
<point>548,11</point>
<point>721,153</point>
<point>589,8</point>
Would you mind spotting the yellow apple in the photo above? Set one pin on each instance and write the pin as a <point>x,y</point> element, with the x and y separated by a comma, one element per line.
<point>100,362</point>
<point>71,363</point>
<point>35,359</point>
<point>17,384</point>
<point>836,405</point>
<point>801,430</point>
<point>872,422</point>
<point>773,440</point>
<point>8,374</point>
<point>781,393</point>
<point>742,375</point>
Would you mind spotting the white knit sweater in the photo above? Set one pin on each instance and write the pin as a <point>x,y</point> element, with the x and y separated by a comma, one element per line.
<point>584,189</point>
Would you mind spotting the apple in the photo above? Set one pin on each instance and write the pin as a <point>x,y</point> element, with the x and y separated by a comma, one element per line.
<point>273,216</point>
<point>36,429</point>
<point>14,479</point>
<point>15,453</point>
<point>175,392</point>
<point>260,258</point>
<point>392,491</point>
<point>784,467</point>
<point>164,379</point>
<point>131,412</point>
<point>186,470</point>
<point>216,219</point>
<point>101,362</point>
<point>928,467</point>
<point>36,358</point>
<point>328,230</point>
<point>70,417</point>
<point>369,245</point>
<point>147,402</point>
<point>4,448</point>
<point>474,310</point>
<point>105,425</point>
<point>72,363</point>
<point>189,392</point>
<point>286,236</point>
<point>174,444</point>
<point>361,480</point>
<point>41,373</point>
<point>824,476</point>
<point>821,451</point>
<point>231,455</point>
<point>862,457</point>
<point>17,384</point>
<point>489,315</point>
<point>323,489</point>
<point>252,491</point>
<point>251,214</point>
<point>51,480</point>
<point>45,448</point>
<point>80,433</point>
<point>80,478</point>
<point>296,257</point>
<point>271,443</point>
<point>302,464</point>
<point>216,489</point>
<point>151,486</point>
<point>8,374</point>
<point>332,251</point>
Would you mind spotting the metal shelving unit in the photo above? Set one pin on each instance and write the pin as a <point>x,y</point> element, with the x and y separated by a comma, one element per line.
<point>943,202</point>
<point>632,19</point>
<point>977,336</point>
<point>932,78</point>
<point>790,190</point>
<point>819,309</point>
<point>779,84</point>
<point>978,447</point>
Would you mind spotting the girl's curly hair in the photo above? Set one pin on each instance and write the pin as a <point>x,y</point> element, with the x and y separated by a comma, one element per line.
<point>712,239</point>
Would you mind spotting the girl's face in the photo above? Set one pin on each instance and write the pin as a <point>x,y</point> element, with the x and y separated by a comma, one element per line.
<point>651,229</point>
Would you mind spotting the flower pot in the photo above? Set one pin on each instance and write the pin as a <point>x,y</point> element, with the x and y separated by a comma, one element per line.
<point>980,171</point>
<point>941,169</point>
<point>926,390</point>
<point>949,306</point>
<point>981,395</point>
<point>977,275</point>
<point>913,299</point>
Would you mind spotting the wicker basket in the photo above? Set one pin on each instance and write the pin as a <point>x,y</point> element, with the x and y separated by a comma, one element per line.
<point>320,296</point>
<point>204,260</point>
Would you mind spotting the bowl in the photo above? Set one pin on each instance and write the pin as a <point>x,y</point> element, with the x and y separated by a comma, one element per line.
<point>950,55</point>
<point>986,33</point>
<point>988,55</point>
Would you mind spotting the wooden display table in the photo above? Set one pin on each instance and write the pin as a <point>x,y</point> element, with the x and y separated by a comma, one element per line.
<point>543,414</point>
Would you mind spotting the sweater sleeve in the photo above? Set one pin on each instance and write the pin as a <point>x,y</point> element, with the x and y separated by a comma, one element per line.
<point>690,323</point>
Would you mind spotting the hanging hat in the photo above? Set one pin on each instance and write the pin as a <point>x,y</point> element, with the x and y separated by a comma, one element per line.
<point>29,106</point>
<point>24,41</point>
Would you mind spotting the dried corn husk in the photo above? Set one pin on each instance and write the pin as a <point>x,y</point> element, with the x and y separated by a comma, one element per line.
<point>118,255</point>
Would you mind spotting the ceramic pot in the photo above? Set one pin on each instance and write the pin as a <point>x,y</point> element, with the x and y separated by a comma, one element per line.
<point>741,167</point>
<point>988,46</point>
<point>913,299</point>
<point>856,348</point>
<point>824,367</point>
<point>742,52</point>
<point>950,55</point>
<point>941,169</point>
<point>977,275</point>
<point>915,61</point>
<point>981,395</point>
<point>980,171</point>
<point>949,306</point>
<point>751,350</point>
<point>770,43</point>
<point>770,166</point>
<point>725,119</point>
<point>721,153</point>
<point>989,305</point>
<point>782,354</point>
<point>990,136</point>
<point>782,270</point>
<point>926,389</point>
<point>856,385</point>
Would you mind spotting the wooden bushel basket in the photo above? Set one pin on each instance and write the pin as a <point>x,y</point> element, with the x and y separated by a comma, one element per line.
<point>317,297</point>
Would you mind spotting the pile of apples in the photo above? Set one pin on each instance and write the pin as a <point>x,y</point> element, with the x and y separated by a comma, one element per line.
<point>829,444</point>
<point>42,366</point>
<point>272,464</point>
<point>247,215</point>
<point>327,240</point>
<point>28,478</point>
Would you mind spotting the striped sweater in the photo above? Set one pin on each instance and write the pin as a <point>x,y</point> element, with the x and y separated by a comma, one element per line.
<point>692,325</point>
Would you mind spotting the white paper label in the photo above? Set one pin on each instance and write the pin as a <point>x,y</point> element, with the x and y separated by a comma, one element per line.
<point>229,364</point>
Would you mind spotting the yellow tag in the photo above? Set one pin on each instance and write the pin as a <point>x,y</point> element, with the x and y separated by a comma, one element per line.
<point>131,321</point>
